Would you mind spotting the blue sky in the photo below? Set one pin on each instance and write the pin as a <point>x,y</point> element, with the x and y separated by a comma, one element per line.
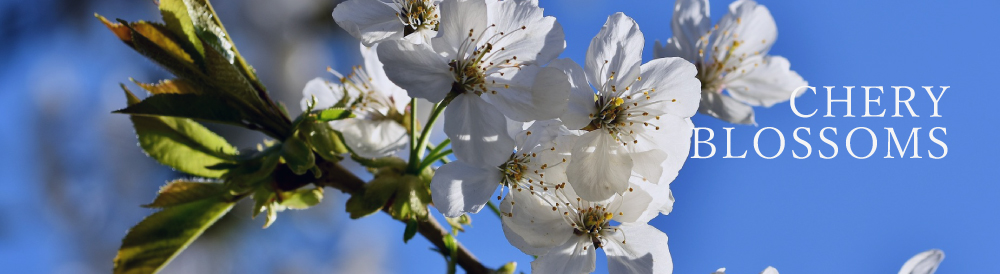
<point>841,215</point>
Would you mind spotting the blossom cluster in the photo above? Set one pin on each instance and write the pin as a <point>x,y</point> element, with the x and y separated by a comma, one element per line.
<point>583,156</point>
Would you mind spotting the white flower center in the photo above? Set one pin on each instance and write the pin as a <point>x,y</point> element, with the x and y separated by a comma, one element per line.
<point>714,67</point>
<point>416,15</point>
<point>476,61</point>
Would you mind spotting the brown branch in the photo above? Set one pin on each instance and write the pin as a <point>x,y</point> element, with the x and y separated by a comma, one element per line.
<point>336,176</point>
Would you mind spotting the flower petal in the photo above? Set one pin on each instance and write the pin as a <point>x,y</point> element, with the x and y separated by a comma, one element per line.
<point>631,205</point>
<point>460,20</point>
<point>373,139</point>
<point>924,263</point>
<point>615,54</point>
<point>530,93</point>
<point>370,21</point>
<point>459,187</point>
<point>380,82</point>
<point>478,131</point>
<point>417,69</point>
<point>726,108</point>
<point>529,36</point>
<point>769,270</point>
<point>600,166</point>
<point>671,85</point>
<point>767,81</point>
<point>529,218</point>
<point>581,95</point>
<point>327,94</point>
<point>690,23</point>
<point>577,255</point>
<point>638,248</point>
<point>747,24</point>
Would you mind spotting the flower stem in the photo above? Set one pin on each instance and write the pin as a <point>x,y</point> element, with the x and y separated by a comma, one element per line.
<point>413,131</point>
<point>425,136</point>
<point>495,209</point>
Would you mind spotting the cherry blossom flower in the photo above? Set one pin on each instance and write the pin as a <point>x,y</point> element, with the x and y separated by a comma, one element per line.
<point>731,56</point>
<point>537,164</point>
<point>374,21</point>
<point>639,117</point>
<point>486,61</point>
<point>377,102</point>
<point>924,263</point>
<point>564,231</point>
<point>768,270</point>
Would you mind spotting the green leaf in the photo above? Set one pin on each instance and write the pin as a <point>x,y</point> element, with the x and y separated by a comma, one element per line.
<point>201,107</point>
<point>254,170</point>
<point>297,155</point>
<point>178,20</point>
<point>410,231</point>
<point>412,197</point>
<point>302,198</point>
<point>184,191</point>
<point>156,240</point>
<point>333,114</point>
<point>181,143</point>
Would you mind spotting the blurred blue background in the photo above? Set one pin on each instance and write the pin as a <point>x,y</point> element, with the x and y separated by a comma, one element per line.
<point>73,176</point>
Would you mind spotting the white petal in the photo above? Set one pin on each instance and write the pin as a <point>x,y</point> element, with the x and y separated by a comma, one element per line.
<point>458,18</point>
<point>720,271</point>
<point>540,133</point>
<point>662,203</point>
<point>327,94</point>
<point>370,21</point>
<point>600,166</point>
<point>459,187</point>
<point>581,96</point>
<point>380,82</point>
<point>769,270</point>
<point>673,140</point>
<point>638,248</point>
<point>519,242</point>
<point>749,24</point>
<point>631,205</point>
<point>569,258</point>
<point>539,41</point>
<point>478,131</point>
<point>924,263</point>
<point>615,51</point>
<point>672,84</point>
<point>532,220</point>
<point>690,23</point>
<point>530,93</point>
<point>417,69</point>
<point>768,80</point>
<point>726,108</point>
<point>373,139</point>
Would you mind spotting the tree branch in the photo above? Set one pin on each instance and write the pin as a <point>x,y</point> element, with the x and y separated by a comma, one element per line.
<point>336,176</point>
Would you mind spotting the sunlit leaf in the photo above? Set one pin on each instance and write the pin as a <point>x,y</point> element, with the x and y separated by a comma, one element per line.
<point>184,191</point>
<point>178,20</point>
<point>302,198</point>
<point>333,114</point>
<point>175,86</point>
<point>181,143</point>
<point>156,240</point>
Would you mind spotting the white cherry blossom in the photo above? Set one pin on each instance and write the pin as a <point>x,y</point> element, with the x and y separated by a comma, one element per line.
<point>926,262</point>
<point>377,102</point>
<point>731,56</point>
<point>486,61</point>
<point>768,270</point>
<point>564,231</point>
<point>639,117</point>
<point>374,21</point>
<point>537,164</point>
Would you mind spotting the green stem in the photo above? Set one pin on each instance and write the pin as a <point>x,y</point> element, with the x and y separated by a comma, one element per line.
<point>495,209</point>
<point>425,136</point>
<point>413,131</point>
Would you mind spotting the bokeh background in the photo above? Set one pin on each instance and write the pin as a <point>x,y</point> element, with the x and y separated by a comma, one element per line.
<point>73,177</point>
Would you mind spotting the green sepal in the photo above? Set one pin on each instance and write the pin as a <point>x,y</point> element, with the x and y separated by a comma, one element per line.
<point>324,140</point>
<point>333,114</point>
<point>297,155</point>
<point>410,230</point>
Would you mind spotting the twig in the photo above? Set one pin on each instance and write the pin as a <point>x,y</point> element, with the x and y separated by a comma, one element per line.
<point>336,176</point>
